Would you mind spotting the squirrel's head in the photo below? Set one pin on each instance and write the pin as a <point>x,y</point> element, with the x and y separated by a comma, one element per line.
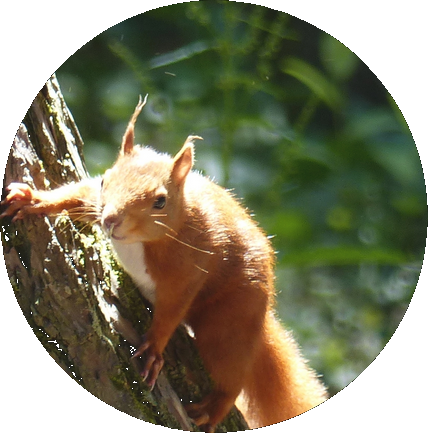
<point>142,194</point>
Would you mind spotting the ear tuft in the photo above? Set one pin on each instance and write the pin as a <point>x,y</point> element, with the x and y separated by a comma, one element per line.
<point>128,137</point>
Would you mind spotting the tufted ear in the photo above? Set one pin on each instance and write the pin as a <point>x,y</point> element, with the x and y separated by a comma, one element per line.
<point>128,137</point>
<point>183,161</point>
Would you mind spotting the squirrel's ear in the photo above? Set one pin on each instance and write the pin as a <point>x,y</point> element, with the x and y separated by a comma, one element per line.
<point>183,161</point>
<point>128,137</point>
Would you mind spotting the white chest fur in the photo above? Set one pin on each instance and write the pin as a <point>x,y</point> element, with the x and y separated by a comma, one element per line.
<point>131,256</point>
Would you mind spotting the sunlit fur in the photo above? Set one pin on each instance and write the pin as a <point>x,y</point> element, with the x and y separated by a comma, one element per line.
<point>204,262</point>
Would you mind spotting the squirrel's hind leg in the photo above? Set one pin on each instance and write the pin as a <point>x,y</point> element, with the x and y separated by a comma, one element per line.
<point>211,410</point>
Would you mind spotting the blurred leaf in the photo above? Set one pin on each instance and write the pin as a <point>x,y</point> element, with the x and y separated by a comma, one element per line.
<point>343,255</point>
<point>399,115</point>
<point>339,60</point>
<point>315,80</point>
<point>402,162</point>
<point>138,67</point>
<point>181,54</point>
<point>367,123</point>
<point>339,218</point>
<point>289,226</point>
<point>372,317</point>
<point>334,353</point>
<point>308,170</point>
<point>409,204</point>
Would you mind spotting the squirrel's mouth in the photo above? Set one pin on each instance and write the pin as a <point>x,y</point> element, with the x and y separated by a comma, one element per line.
<point>111,232</point>
<point>115,237</point>
<point>111,225</point>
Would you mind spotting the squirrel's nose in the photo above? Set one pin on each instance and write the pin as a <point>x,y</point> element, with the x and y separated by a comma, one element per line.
<point>111,221</point>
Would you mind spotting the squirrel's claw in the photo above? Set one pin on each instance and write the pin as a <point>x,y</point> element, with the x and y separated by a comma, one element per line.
<point>153,364</point>
<point>19,195</point>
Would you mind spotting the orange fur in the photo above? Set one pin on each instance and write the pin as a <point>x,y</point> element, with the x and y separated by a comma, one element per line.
<point>286,375</point>
<point>212,268</point>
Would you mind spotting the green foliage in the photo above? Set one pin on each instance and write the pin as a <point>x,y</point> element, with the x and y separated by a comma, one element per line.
<point>321,87</point>
<point>302,130</point>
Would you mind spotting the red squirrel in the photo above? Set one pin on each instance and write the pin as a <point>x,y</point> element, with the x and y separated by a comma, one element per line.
<point>196,253</point>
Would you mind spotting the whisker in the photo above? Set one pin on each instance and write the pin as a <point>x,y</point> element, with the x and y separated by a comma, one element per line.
<point>88,214</point>
<point>188,245</point>
<point>159,214</point>
<point>201,269</point>
<point>159,223</point>
<point>194,228</point>
<point>178,240</point>
<point>68,225</point>
<point>63,229</point>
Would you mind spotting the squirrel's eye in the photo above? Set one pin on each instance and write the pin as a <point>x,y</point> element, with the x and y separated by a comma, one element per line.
<point>160,202</point>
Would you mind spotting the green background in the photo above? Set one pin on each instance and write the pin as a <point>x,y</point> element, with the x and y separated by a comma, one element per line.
<point>302,130</point>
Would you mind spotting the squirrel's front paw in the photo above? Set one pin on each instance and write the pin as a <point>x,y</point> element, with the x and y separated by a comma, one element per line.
<point>19,196</point>
<point>153,364</point>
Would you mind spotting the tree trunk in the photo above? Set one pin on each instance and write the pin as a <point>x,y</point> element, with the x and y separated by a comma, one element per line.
<point>82,307</point>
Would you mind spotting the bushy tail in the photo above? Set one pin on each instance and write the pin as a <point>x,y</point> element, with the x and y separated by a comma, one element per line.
<point>280,385</point>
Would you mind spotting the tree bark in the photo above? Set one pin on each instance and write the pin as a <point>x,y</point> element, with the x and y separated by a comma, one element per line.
<point>82,307</point>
